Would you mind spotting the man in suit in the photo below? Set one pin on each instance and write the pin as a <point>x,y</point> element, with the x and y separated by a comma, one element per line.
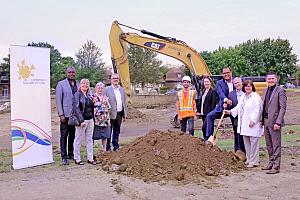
<point>235,97</point>
<point>274,107</point>
<point>64,93</point>
<point>118,111</point>
<point>223,87</point>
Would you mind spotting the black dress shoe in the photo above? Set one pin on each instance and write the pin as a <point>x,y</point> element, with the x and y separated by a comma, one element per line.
<point>65,161</point>
<point>92,162</point>
<point>268,167</point>
<point>79,162</point>
<point>273,171</point>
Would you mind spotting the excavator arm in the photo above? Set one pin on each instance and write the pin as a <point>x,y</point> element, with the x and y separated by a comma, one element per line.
<point>168,46</point>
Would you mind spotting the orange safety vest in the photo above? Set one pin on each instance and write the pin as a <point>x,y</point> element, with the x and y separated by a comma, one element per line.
<point>186,105</point>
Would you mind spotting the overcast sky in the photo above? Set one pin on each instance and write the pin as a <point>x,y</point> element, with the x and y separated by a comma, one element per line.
<point>203,25</point>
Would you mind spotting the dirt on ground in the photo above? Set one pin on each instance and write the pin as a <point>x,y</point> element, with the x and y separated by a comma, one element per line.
<point>167,155</point>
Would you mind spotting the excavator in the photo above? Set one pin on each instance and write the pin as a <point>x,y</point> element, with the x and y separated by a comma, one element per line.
<point>168,46</point>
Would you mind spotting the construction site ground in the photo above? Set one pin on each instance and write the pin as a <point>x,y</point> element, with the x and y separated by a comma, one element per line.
<point>227,181</point>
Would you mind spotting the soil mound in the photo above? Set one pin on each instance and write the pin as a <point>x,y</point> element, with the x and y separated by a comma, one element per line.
<point>134,113</point>
<point>168,156</point>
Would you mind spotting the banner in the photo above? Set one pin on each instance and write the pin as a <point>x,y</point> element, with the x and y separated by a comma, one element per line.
<point>30,106</point>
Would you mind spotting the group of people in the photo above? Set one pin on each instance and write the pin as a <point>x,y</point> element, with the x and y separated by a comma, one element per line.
<point>99,114</point>
<point>251,115</point>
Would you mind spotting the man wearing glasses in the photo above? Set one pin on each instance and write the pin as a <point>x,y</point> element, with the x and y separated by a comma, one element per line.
<point>118,111</point>
<point>223,87</point>
<point>64,93</point>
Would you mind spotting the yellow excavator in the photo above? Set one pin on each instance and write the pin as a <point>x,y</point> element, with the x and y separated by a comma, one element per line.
<point>168,46</point>
<point>165,45</point>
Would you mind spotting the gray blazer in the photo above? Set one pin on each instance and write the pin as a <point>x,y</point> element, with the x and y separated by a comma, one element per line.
<point>109,92</point>
<point>277,106</point>
<point>64,98</point>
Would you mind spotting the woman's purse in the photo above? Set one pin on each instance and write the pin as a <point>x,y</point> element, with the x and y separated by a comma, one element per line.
<point>73,120</point>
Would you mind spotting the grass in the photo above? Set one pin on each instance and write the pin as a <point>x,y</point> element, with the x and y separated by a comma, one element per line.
<point>288,140</point>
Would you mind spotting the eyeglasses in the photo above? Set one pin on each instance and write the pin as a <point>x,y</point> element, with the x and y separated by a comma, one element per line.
<point>226,72</point>
<point>71,72</point>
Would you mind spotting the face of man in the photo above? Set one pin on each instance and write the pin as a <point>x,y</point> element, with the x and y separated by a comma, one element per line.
<point>271,80</point>
<point>115,80</point>
<point>71,73</point>
<point>186,84</point>
<point>238,83</point>
<point>227,74</point>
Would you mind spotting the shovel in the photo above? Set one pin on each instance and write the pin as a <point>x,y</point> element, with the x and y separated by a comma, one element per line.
<point>213,139</point>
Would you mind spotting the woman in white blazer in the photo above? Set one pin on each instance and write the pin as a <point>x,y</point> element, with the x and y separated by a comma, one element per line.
<point>249,110</point>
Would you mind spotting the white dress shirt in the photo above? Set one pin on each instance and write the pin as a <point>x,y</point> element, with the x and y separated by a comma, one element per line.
<point>118,99</point>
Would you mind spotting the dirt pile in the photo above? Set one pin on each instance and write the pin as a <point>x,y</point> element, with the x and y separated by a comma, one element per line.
<point>169,156</point>
<point>134,113</point>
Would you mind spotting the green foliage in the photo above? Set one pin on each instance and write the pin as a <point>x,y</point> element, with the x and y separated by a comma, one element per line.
<point>89,61</point>
<point>144,67</point>
<point>163,89</point>
<point>59,70</point>
<point>6,65</point>
<point>164,70</point>
<point>255,58</point>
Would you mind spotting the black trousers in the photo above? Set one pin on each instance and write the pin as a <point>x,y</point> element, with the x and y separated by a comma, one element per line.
<point>115,132</point>
<point>203,117</point>
<point>238,138</point>
<point>67,135</point>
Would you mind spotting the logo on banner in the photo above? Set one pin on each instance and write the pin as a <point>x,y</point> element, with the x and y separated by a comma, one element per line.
<point>25,71</point>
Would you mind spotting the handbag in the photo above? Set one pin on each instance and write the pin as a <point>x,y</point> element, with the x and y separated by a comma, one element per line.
<point>73,120</point>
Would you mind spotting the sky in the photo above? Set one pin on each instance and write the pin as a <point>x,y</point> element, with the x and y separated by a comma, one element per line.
<point>203,25</point>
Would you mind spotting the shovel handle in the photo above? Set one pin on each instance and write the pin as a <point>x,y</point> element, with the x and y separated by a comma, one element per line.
<point>219,124</point>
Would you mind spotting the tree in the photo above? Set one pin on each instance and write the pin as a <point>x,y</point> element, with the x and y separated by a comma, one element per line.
<point>89,56</point>
<point>164,70</point>
<point>59,70</point>
<point>89,61</point>
<point>144,67</point>
<point>270,54</point>
<point>6,65</point>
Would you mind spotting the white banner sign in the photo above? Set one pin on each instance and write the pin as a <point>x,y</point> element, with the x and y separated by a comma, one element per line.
<point>30,106</point>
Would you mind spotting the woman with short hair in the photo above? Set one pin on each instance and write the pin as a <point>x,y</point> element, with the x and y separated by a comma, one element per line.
<point>101,114</point>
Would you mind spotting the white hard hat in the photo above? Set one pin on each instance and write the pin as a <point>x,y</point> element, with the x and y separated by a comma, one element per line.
<point>186,78</point>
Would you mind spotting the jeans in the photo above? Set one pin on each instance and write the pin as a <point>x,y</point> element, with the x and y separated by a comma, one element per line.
<point>190,122</point>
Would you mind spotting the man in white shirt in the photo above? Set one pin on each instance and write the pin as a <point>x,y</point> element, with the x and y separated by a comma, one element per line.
<point>118,110</point>
<point>235,97</point>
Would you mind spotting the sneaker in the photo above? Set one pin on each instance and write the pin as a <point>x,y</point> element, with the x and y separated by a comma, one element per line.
<point>92,162</point>
<point>65,161</point>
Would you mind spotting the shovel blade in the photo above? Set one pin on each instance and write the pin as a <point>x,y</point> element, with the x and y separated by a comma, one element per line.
<point>213,140</point>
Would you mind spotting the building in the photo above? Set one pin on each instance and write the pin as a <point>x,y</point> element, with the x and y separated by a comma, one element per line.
<point>4,84</point>
<point>173,77</point>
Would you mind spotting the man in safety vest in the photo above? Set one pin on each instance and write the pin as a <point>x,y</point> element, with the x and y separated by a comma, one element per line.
<point>186,106</point>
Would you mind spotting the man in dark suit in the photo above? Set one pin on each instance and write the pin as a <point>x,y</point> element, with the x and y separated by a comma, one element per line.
<point>118,111</point>
<point>223,87</point>
<point>64,93</point>
<point>235,96</point>
<point>274,107</point>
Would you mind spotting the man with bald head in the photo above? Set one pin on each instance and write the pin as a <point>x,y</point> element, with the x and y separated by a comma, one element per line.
<point>64,93</point>
<point>235,96</point>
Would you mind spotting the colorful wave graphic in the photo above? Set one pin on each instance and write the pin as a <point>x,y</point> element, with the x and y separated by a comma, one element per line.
<point>31,135</point>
